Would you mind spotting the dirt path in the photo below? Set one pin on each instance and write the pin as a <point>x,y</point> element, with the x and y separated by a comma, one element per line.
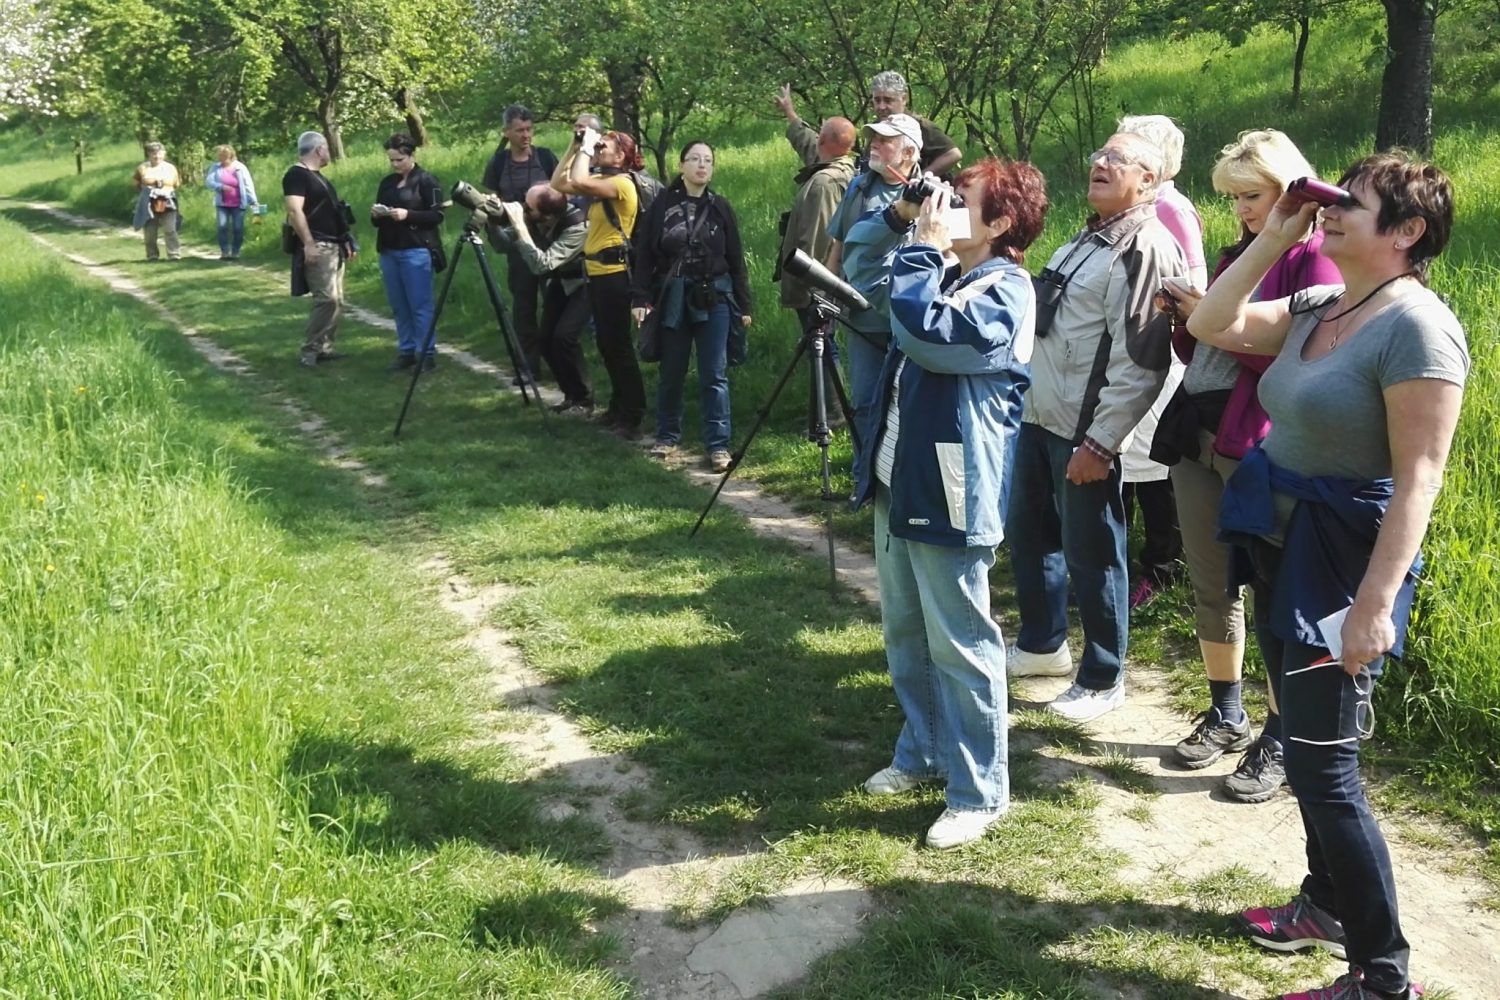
<point>1189,831</point>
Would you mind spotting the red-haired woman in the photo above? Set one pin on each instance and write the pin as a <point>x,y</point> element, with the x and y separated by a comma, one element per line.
<point>936,461</point>
<point>598,166</point>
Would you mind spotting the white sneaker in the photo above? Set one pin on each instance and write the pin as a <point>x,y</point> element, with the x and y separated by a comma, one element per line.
<point>955,827</point>
<point>1019,663</point>
<point>889,781</point>
<point>1083,704</point>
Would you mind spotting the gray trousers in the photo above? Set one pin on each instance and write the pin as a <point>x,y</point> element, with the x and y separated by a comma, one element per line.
<point>166,224</point>
<point>325,280</point>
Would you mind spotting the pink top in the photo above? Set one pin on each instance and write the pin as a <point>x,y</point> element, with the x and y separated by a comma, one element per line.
<point>1182,221</point>
<point>230,194</point>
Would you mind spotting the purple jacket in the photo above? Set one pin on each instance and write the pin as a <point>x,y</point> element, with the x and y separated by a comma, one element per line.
<point>1245,423</point>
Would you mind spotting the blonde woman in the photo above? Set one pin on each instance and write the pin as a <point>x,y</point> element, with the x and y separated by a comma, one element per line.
<point>234,192</point>
<point>1252,172</point>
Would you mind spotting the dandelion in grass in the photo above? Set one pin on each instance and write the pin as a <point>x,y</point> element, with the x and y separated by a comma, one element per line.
<point>51,568</point>
<point>82,388</point>
<point>41,498</point>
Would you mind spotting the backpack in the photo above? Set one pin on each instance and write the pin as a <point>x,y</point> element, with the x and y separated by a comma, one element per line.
<point>646,190</point>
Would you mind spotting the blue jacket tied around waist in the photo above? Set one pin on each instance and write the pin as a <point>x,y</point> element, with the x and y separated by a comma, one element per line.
<point>967,340</point>
<point>1329,540</point>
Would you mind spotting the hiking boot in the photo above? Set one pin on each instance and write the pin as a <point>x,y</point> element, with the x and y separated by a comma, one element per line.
<point>956,827</point>
<point>403,362</point>
<point>1296,926</point>
<point>1083,704</point>
<point>718,460</point>
<point>662,450</point>
<point>1260,775</point>
<point>889,781</point>
<point>1351,986</point>
<point>1020,663</point>
<point>1212,738</point>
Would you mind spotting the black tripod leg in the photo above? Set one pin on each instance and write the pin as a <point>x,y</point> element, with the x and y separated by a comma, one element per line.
<point>845,407</point>
<point>431,338</point>
<point>822,437</point>
<point>507,332</point>
<point>760,418</point>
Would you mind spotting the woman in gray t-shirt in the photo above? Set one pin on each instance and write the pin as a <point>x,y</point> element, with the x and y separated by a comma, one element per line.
<point>1366,385</point>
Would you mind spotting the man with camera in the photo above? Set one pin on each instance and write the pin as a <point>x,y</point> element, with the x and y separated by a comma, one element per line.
<point>1101,357</point>
<point>322,223</point>
<point>861,248</point>
<point>546,233</point>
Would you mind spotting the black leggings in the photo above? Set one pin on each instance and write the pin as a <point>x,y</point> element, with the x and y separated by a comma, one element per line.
<point>609,299</point>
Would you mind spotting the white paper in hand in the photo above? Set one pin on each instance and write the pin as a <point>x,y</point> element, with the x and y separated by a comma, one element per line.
<point>1332,631</point>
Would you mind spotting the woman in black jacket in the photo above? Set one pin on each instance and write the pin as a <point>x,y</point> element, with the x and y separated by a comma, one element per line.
<point>690,265</point>
<point>406,214</point>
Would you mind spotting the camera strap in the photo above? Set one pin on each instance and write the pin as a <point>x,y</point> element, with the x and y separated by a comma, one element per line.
<point>1093,249</point>
<point>333,198</point>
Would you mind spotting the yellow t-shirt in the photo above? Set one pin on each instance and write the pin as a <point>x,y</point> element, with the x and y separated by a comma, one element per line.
<point>163,175</point>
<point>602,233</point>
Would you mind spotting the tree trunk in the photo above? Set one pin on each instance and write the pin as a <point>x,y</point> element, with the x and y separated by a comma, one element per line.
<point>1406,87</point>
<point>625,82</point>
<point>415,127</point>
<point>328,119</point>
<point>1304,31</point>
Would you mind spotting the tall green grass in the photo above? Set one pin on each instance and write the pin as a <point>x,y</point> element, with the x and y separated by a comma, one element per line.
<point>185,684</point>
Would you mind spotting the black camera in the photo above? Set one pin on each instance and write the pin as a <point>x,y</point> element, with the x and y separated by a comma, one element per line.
<point>1049,286</point>
<point>578,135</point>
<point>919,190</point>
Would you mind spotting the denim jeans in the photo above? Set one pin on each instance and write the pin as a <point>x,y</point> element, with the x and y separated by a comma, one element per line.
<point>865,362</point>
<point>1324,713</point>
<point>408,288</point>
<point>1058,530</point>
<point>231,223</point>
<point>947,663</point>
<point>711,338</point>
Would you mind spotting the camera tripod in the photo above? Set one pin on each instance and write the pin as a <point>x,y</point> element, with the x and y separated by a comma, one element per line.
<point>817,339</point>
<point>471,237</point>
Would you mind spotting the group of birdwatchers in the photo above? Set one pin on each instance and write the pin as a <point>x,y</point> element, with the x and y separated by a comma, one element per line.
<point>1282,419</point>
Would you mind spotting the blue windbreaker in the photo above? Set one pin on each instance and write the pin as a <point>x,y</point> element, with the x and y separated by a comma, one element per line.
<point>967,340</point>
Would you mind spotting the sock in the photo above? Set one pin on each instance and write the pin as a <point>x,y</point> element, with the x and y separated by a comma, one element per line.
<point>1273,727</point>
<point>1226,699</point>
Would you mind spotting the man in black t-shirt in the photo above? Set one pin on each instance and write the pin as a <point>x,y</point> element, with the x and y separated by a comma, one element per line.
<point>317,215</point>
<point>888,96</point>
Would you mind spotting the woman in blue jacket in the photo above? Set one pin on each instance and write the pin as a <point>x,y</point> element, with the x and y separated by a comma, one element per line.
<point>234,192</point>
<point>935,465</point>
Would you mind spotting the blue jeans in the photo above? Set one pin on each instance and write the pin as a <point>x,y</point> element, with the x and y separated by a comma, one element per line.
<point>712,339</point>
<point>231,223</point>
<point>408,288</point>
<point>947,663</point>
<point>1058,530</point>
<point>865,362</point>
<point>1324,713</point>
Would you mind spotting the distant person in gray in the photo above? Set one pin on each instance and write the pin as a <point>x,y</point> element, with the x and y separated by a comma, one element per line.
<point>321,223</point>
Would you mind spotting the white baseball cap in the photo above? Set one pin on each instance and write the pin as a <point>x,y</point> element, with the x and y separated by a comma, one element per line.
<point>902,125</point>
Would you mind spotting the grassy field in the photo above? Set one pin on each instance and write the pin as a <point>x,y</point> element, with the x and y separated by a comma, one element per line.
<point>242,750</point>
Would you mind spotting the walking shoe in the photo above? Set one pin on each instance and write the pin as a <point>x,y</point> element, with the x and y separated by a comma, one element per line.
<point>574,407</point>
<point>954,828</point>
<point>1296,926</point>
<point>1212,738</point>
<point>308,361</point>
<point>718,460</point>
<point>1260,775</point>
<point>1020,663</point>
<point>889,781</point>
<point>1351,986</point>
<point>1083,704</point>
<point>1144,592</point>
<point>403,362</point>
<point>662,450</point>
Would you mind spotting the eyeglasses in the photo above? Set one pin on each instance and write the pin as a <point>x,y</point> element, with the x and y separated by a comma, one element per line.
<point>1112,158</point>
<point>706,161</point>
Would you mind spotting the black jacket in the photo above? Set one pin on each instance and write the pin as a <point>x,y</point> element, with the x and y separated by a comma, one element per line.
<point>422,198</point>
<point>717,250</point>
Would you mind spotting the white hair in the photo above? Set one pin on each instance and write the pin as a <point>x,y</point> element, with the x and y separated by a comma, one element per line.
<point>1163,133</point>
<point>309,142</point>
<point>888,81</point>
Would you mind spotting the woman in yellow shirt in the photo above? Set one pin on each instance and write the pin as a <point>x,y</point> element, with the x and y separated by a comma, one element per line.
<point>598,166</point>
<point>156,182</point>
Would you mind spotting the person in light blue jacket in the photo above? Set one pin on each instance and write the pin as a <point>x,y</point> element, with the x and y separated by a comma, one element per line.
<point>935,465</point>
<point>234,192</point>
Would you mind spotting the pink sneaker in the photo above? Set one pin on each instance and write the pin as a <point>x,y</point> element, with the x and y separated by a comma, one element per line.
<point>1144,592</point>
<point>1349,986</point>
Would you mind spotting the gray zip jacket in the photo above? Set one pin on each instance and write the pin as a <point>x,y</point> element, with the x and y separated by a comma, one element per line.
<point>1105,359</point>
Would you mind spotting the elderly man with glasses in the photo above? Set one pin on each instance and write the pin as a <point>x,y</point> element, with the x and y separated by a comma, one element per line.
<point>1101,357</point>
